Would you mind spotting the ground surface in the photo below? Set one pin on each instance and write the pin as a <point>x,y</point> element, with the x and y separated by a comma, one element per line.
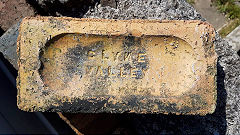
<point>210,13</point>
<point>234,39</point>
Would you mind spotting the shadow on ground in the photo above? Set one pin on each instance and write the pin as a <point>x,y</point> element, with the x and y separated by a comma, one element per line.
<point>1,31</point>
<point>156,123</point>
<point>71,8</point>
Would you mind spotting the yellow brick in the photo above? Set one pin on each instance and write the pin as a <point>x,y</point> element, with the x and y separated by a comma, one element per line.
<point>97,65</point>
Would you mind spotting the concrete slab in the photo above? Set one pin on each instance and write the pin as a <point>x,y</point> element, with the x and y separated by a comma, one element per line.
<point>234,39</point>
<point>210,13</point>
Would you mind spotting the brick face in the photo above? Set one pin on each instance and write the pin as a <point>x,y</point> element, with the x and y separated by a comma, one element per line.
<point>140,66</point>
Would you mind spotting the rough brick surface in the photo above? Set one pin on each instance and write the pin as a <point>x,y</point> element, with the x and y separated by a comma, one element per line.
<point>11,11</point>
<point>116,66</point>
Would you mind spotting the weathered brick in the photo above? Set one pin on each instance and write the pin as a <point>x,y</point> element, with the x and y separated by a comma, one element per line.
<point>94,65</point>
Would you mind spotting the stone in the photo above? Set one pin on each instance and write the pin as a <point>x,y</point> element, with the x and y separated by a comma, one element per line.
<point>146,9</point>
<point>234,40</point>
<point>11,11</point>
<point>141,66</point>
<point>8,44</point>
<point>110,3</point>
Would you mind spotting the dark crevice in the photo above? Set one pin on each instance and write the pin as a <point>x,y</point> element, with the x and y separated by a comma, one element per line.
<point>238,52</point>
<point>10,67</point>
<point>37,7</point>
<point>71,8</point>
<point>60,125</point>
<point>1,31</point>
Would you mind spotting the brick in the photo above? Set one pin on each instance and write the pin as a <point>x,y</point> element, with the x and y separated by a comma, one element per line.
<point>11,11</point>
<point>97,65</point>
